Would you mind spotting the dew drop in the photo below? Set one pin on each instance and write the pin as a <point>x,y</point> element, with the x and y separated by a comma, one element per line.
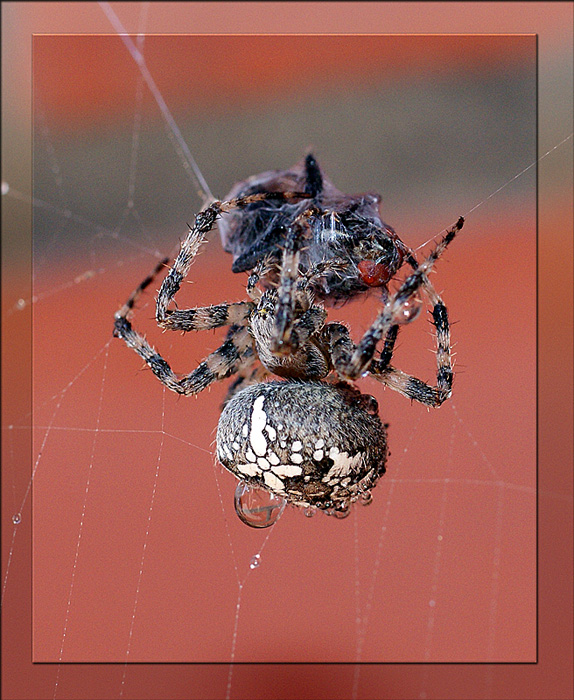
<point>255,561</point>
<point>21,304</point>
<point>310,511</point>
<point>366,498</point>
<point>5,187</point>
<point>409,310</point>
<point>342,511</point>
<point>257,507</point>
<point>17,519</point>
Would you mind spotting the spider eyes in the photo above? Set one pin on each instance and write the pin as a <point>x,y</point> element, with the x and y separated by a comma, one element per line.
<point>265,309</point>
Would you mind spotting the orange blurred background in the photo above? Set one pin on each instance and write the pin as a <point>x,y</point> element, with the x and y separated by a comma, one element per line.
<point>467,473</point>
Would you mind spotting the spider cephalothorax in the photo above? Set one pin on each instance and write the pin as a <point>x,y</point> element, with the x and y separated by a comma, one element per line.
<point>306,358</point>
<point>305,247</point>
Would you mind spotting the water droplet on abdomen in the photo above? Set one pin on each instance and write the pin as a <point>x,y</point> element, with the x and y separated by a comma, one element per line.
<point>257,507</point>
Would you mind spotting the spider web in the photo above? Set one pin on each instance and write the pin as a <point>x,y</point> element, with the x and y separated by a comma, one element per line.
<point>138,555</point>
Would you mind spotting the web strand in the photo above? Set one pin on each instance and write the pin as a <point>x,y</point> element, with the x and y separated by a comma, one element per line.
<point>145,545</point>
<point>495,192</point>
<point>181,147</point>
<point>81,526</point>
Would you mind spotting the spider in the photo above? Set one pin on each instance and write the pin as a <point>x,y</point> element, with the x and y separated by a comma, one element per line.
<point>310,438</point>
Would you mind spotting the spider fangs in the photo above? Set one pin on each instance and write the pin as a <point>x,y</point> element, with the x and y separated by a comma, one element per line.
<point>312,439</point>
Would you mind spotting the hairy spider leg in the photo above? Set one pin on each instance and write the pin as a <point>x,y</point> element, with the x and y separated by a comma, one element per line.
<point>238,346</point>
<point>200,318</point>
<point>307,325</point>
<point>386,354</point>
<point>341,348</point>
<point>130,303</point>
<point>352,364</point>
<point>220,364</point>
<point>266,267</point>
<point>289,292</point>
<point>287,338</point>
<point>389,346</point>
<point>281,341</point>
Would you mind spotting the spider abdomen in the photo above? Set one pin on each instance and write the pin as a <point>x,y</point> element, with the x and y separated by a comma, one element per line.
<point>313,443</point>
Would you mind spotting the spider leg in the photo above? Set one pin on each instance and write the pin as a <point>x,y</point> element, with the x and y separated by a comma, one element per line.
<point>213,316</point>
<point>208,317</point>
<point>265,267</point>
<point>284,341</point>
<point>389,346</point>
<point>307,325</point>
<point>218,365</point>
<point>198,318</point>
<point>410,386</point>
<point>397,311</point>
<point>341,347</point>
<point>338,344</point>
<point>130,303</point>
<point>286,295</point>
<point>413,388</point>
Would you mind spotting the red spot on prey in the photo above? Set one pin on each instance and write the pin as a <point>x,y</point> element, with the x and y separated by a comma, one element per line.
<point>373,274</point>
